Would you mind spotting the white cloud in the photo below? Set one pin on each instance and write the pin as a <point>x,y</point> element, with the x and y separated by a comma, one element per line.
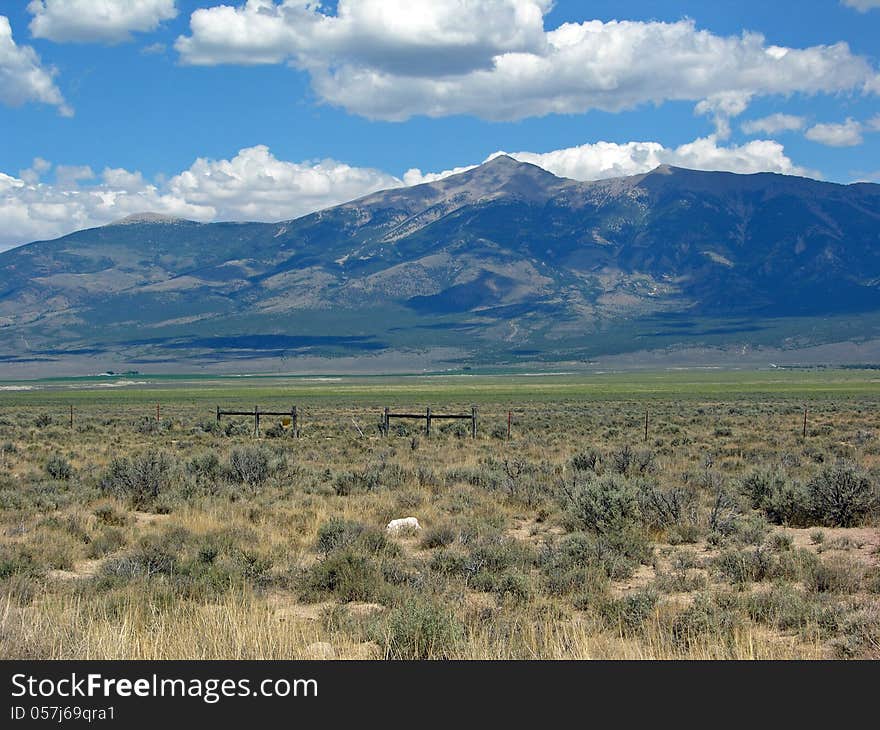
<point>256,185</point>
<point>392,59</point>
<point>253,185</point>
<point>23,78</point>
<point>774,124</point>
<point>410,37</point>
<point>863,6</point>
<point>837,134</point>
<point>609,159</point>
<point>722,108</point>
<point>105,21</point>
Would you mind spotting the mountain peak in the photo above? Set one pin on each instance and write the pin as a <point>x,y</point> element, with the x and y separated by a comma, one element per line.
<point>147,217</point>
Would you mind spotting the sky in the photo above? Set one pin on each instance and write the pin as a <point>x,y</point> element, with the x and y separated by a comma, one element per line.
<point>271,109</point>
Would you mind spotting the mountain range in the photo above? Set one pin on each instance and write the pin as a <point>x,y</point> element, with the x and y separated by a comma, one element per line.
<point>504,264</point>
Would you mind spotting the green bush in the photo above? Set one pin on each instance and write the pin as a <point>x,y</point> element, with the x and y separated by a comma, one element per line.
<point>785,502</point>
<point>628,613</point>
<point>741,567</point>
<point>140,479</point>
<point>57,467</point>
<point>338,533</point>
<point>109,540</point>
<point>441,536</point>
<point>603,505</point>
<point>419,628</point>
<point>347,575</point>
<point>841,495</point>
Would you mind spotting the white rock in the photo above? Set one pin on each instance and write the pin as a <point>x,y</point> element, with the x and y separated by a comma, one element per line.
<point>403,526</point>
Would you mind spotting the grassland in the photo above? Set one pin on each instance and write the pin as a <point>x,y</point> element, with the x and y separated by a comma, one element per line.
<point>725,534</point>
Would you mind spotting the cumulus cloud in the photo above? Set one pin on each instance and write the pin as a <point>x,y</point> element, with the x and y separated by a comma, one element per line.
<point>609,159</point>
<point>774,124</point>
<point>392,59</point>
<point>409,37</point>
<point>253,185</point>
<point>256,185</point>
<point>837,134</point>
<point>863,6</point>
<point>23,77</point>
<point>104,21</point>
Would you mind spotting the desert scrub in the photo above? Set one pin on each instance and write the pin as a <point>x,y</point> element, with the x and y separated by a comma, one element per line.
<point>786,608</point>
<point>141,479</point>
<point>785,502</point>
<point>345,575</point>
<point>841,495</point>
<point>338,533</point>
<point>249,465</point>
<point>601,504</point>
<point>109,540</point>
<point>629,613</point>
<point>418,628</point>
<point>57,467</point>
<point>198,567</point>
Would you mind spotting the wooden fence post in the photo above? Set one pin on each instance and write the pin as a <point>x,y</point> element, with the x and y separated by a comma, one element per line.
<point>157,413</point>
<point>218,415</point>
<point>256,421</point>
<point>294,422</point>
<point>508,425</point>
<point>646,424</point>
<point>71,415</point>
<point>428,421</point>
<point>805,421</point>
<point>385,421</point>
<point>473,422</point>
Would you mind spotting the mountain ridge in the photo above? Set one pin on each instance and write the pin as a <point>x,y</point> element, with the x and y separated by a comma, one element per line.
<point>501,262</point>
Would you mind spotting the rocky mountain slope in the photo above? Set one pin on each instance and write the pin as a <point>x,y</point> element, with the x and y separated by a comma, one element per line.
<point>502,263</point>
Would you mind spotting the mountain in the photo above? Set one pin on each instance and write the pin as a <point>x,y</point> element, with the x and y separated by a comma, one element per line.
<point>503,263</point>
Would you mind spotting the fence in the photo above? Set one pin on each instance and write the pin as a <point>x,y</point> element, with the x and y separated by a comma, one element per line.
<point>257,413</point>
<point>428,417</point>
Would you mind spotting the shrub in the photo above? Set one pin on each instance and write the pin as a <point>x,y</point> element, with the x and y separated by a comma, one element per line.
<point>249,465</point>
<point>603,504</point>
<point>586,461</point>
<point>419,628</point>
<point>57,467</point>
<point>785,502</point>
<point>106,515</point>
<point>515,587</point>
<point>837,575</point>
<point>668,508</point>
<point>17,560</point>
<point>109,540</point>
<point>705,617</point>
<point>860,635</point>
<point>347,575</point>
<point>338,533</point>
<point>141,479</point>
<point>785,608</point>
<point>441,536</point>
<point>205,467</point>
<point>743,566</point>
<point>627,614</point>
<point>841,495</point>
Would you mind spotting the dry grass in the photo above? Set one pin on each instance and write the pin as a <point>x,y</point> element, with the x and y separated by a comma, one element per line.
<point>242,577</point>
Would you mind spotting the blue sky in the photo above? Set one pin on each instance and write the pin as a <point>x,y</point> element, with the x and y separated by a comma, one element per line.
<point>272,108</point>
